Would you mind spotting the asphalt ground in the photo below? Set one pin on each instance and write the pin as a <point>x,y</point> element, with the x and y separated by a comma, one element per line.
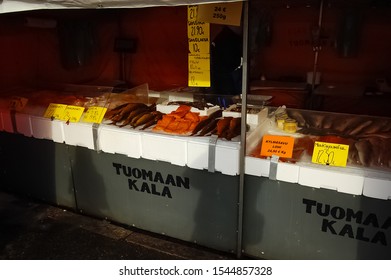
<point>32,230</point>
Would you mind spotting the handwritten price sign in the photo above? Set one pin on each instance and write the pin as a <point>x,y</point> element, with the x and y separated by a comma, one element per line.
<point>72,113</point>
<point>54,111</point>
<point>330,154</point>
<point>94,114</point>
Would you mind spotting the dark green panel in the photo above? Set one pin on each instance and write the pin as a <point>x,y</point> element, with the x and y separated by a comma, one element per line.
<point>289,221</point>
<point>179,202</point>
<point>36,168</point>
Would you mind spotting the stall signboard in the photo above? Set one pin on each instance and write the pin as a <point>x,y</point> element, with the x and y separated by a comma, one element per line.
<point>290,221</point>
<point>221,13</point>
<point>199,49</point>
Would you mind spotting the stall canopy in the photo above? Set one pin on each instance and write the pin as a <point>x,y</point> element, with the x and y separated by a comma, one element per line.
<point>8,6</point>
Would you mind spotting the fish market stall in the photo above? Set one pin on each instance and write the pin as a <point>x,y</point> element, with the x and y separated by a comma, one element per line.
<point>326,196</point>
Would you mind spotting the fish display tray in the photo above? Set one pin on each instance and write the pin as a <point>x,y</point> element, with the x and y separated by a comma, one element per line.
<point>166,109</point>
<point>251,118</point>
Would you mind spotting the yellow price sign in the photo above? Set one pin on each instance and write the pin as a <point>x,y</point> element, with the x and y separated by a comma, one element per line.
<point>94,114</point>
<point>54,111</point>
<point>72,113</point>
<point>199,70</point>
<point>330,154</point>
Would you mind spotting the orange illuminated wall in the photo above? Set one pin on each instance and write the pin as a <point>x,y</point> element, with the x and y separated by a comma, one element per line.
<point>291,54</point>
<point>34,53</point>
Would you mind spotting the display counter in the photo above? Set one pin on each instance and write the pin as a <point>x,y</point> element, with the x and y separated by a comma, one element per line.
<point>187,186</point>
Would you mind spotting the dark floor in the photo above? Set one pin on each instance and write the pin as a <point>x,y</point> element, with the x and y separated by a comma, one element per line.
<point>32,230</point>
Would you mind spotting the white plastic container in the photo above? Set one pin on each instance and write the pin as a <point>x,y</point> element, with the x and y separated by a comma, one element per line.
<point>79,134</point>
<point>44,128</point>
<point>331,178</point>
<point>23,124</point>
<point>227,157</point>
<point>169,148</point>
<point>116,140</point>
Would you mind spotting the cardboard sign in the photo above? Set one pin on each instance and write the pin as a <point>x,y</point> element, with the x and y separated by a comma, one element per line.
<point>330,154</point>
<point>281,146</point>
<point>94,114</point>
<point>55,111</point>
<point>17,103</point>
<point>72,113</point>
<point>221,13</point>
<point>198,36</point>
<point>199,70</point>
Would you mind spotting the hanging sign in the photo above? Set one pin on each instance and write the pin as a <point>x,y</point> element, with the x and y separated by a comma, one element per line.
<point>17,103</point>
<point>54,111</point>
<point>281,146</point>
<point>72,113</point>
<point>94,114</point>
<point>330,154</point>
<point>221,13</point>
<point>199,70</point>
<point>198,34</point>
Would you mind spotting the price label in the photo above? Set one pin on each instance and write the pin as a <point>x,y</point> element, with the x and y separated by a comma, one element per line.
<point>17,103</point>
<point>330,154</point>
<point>199,70</point>
<point>228,13</point>
<point>54,111</point>
<point>72,113</point>
<point>192,12</point>
<point>281,146</point>
<point>94,114</point>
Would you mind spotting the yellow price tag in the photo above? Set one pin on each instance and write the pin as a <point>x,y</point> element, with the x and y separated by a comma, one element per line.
<point>330,154</point>
<point>199,70</point>
<point>94,114</point>
<point>54,111</point>
<point>72,113</point>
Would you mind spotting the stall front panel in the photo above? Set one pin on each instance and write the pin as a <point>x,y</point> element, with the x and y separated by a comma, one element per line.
<point>36,168</point>
<point>191,205</point>
<point>287,221</point>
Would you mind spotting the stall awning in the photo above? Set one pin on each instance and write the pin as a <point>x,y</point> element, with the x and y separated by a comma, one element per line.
<point>9,6</point>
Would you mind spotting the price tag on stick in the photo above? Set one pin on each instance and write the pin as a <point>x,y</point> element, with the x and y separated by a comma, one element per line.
<point>281,146</point>
<point>94,114</point>
<point>72,113</point>
<point>330,154</point>
<point>54,111</point>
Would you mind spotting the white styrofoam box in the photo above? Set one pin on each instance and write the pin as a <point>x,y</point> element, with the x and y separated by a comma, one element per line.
<point>377,185</point>
<point>251,119</point>
<point>45,128</point>
<point>198,152</point>
<point>257,166</point>
<point>227,157</point>
<point>169,148</point>
<point>79,134</point>
<point>116,140</point>
<point>166,109</point>
<point>332,178</point>
<point>7,120</point>
<point>23,124</point>
<point>180,96</point>
<point>287,172</point>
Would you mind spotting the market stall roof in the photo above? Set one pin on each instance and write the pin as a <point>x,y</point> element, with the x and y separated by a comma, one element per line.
<point>8,6</point>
